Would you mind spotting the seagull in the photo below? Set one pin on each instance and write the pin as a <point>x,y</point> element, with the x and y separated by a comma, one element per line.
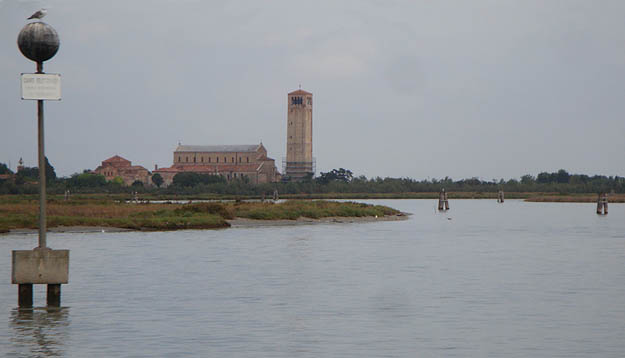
<point>39,14</point>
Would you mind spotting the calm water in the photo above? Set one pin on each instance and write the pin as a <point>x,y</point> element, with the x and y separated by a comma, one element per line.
<point>512,280</point>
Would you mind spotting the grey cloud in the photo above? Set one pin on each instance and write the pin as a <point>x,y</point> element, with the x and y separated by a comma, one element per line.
<point>402,88</point>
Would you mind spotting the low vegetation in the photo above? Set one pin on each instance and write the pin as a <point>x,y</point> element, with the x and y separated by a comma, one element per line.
<point>573,198</point>
<point>19,212</point>
<point>294,209</point>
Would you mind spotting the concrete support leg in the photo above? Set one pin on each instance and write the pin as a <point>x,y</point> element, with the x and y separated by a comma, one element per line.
<point>54,295</point>
<point>25,295</point>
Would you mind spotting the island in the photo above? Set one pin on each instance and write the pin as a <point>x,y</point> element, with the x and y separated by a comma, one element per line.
<point>21,213</point>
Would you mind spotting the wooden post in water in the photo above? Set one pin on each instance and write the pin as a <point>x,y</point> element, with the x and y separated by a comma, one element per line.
<point>602,204</point>
<point>441,197</point>
<point>599,206</point>
<point>443,203</point>
<point>500,196</point>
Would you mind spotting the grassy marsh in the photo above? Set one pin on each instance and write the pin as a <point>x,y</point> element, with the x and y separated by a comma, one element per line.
<point>102,212</point>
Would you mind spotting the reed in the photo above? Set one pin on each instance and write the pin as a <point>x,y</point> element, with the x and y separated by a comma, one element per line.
<point>142,216</point>
<point>577,198</point>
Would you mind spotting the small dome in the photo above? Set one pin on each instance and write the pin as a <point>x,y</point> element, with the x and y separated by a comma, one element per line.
<point>38,41</point>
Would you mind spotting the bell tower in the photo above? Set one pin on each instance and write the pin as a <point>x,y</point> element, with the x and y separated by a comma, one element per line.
<point>20,165</point>
<point>299,159</point>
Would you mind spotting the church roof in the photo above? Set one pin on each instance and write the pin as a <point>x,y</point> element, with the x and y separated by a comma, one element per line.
<point>300,92</point>
<point>116,159</point>
<point>209,168</point>
<point>218,148</point>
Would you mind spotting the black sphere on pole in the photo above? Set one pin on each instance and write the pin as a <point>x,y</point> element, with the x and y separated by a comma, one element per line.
<point>38,41</point>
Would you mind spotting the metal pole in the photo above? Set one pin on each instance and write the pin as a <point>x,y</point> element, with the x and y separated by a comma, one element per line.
<point>42,171</point>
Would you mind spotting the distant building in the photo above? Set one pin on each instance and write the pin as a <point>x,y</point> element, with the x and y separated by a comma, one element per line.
<point>117,166</point>
<point>20,164</point>
<point>230,161</point>
<point>299,159</point>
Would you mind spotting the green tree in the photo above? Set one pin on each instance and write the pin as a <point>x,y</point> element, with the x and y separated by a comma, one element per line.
<point>86,180</point>
<point>4,169</point>
<point>527,179</point>
<point>543,178</point>
<point>50,172</point>
<point>32,174</point>
<point>117,181</point>
<point>340,174</point>
<point>28,174</point>
<point>562,176</point>
<point>193,179</point>
<point>157,179</point>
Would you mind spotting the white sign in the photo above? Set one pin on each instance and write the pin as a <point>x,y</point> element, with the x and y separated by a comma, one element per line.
<point>44,86</point>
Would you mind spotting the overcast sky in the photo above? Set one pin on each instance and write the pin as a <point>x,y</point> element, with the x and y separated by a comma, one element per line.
<point>421,89</point>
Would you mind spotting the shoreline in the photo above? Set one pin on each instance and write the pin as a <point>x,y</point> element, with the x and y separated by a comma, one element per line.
<point>234,224</point>
<point>252,223</point>
<point>200,198</point>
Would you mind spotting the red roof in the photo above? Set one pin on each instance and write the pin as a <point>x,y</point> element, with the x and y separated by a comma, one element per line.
<point>209,168</point>
<point>300,91</point>
<point>116,159</point>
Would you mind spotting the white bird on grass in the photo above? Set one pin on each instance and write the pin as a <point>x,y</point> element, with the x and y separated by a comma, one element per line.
<point>39,14</point>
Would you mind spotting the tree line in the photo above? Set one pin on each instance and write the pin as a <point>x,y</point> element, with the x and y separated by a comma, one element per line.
<point>339,180</point>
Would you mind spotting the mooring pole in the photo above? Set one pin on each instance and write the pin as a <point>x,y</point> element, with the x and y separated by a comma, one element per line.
<point>42,170</point>
<point>441,199</point>
<point>443,202</point>
<point>599,204</point>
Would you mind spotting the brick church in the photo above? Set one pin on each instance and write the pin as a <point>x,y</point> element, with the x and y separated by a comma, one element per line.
<point>117,166</point>
<point>231,161</point>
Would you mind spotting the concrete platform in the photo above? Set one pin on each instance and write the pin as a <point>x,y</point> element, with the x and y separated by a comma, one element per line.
<point>40,266</point>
